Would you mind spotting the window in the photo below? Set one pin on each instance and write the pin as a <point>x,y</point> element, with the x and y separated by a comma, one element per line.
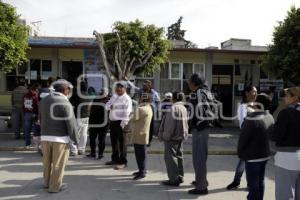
<point>199,68</point>
<point>39,69</point>
<point>46,69</point>
<point>175,71</point>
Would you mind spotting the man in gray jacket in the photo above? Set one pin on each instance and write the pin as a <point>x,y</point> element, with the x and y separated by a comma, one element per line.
<point>173,130</point>
<point>58,126</point>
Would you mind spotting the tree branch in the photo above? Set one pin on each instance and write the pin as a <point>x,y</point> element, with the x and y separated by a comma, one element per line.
<point>107,66</point>
<point>145,59</point>
<point>118,63</point>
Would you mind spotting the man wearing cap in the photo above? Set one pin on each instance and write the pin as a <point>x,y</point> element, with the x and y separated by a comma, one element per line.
<point>58,126</point>
<point>120,106</point>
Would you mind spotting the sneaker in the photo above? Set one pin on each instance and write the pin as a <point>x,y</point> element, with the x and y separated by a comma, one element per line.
<point>121,166</point>
<point>139,176</point>
<point>233,185</point>
<point>198,192</point>
<point>100,157</point>
<point>169,183</point>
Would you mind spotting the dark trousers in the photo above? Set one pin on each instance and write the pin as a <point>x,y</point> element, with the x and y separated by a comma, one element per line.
<point>118,143</point>
<point>240,168</point>
<point>200,152</point>
<point>28,122</point>
<point>140,155</point>
<point>99,133</point>
<point>255,173</point>
<point>152,126</point>
<point>17,117</point>
<point>174,160</point>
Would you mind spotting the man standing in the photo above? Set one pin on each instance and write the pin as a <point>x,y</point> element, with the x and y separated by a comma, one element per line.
<point>200,129</point>
<point>30,106</point>
<point>58,125</point>
<point>120,106</point>
<point>17,107</point>
<point>173,130</point>
<point>82,107</point>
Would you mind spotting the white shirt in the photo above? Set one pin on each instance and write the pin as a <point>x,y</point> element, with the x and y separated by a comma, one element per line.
<point>242,112</point>
<point>288,160</point>
<point>120,108</point>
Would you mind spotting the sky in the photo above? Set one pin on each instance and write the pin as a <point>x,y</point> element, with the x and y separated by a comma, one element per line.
<point>207,22</point>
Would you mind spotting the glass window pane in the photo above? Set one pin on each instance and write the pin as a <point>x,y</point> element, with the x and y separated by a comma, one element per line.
<point>46,65</point>
<point>175,70</point>
<point>46,69</point>
<point>35,67</point>
<point>187,70</point>
<point>199,68</point>
<point>164,71</point>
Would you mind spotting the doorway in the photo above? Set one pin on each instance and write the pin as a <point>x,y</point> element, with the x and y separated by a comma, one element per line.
<point>71,70</point>
<point>222,86</point>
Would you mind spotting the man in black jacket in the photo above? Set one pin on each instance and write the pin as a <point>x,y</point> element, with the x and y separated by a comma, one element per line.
<point>253,146</point>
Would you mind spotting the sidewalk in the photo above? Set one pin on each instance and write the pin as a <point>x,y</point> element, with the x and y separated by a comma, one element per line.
<point>21,178</point>
<point>221,141</point>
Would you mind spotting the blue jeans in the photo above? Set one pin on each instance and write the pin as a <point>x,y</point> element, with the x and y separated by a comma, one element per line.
<point>239,171</point>
<point>256,179</point>
<point>28,121</point>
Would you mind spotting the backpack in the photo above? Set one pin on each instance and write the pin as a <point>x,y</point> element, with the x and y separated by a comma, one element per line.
<point>210,107</point>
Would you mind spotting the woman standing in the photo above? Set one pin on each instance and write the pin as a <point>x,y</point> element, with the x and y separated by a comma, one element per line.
<point>140,126</point>
<point>249,97</point>
<point>286,136</point>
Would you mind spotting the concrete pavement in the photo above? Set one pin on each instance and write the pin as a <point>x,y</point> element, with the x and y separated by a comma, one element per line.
<point>21,178</point>
<point>221,141</point>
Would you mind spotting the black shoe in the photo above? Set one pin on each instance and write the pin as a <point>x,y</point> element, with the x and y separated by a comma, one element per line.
<point>100,157</point>
<point>138,172</point>
<point>194,183</point>
<point>198,192</point>
<point>180,180</point>
<point>233,185</point>
<point>91,156</point>
<point>111,163</point>
<point>169,183</point>
<point>139,176</point>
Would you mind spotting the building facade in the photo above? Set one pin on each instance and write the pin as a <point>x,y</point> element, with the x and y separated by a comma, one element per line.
<point>227,70</point>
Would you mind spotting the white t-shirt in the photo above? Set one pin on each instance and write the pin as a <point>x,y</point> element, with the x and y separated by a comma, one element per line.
<point>242,112</point>
<point>288,160</point>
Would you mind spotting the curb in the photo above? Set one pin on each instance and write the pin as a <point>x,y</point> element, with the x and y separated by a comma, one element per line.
<point>210,152</point>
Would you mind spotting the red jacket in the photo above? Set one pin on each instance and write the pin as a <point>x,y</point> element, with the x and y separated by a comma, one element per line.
<point>30,102</point>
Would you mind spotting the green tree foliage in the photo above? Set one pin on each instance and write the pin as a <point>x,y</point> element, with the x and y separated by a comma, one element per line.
<point>13,39</point>
<point>283,58</point>
<point>176,33</point>
<point>132,47</point>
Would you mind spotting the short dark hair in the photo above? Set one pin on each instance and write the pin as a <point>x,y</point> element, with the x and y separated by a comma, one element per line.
<point>178,96</point>
<point>197,79</point>
<point>264,100</point>
<point>60,88</point>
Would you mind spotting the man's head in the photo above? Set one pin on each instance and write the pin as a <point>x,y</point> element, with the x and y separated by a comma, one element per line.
<point>145,98</point>
<point>195,81</point>
<point>263,101</point>
<point>121,88</point>
<point>177,96</point>
<point>63,86</point>
<point>147,85</point>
